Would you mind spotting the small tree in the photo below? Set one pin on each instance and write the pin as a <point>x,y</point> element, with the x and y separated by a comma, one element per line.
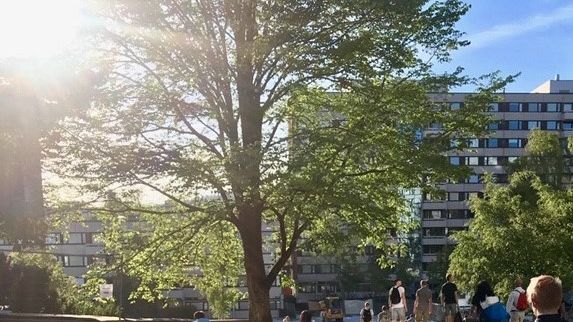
<point>36,283</point>
<point>522,229</point>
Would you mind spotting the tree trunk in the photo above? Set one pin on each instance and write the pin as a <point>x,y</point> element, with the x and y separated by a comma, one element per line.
<point>257,284</point>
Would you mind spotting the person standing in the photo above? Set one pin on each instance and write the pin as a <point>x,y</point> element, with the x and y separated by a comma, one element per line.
<point>305,316</point>
<point>423,302</point>
<point>483,290</point>
<point>366,313</point>
<point>515,306</point>
<point>544,295</point>
<point>397,302</point>
<point>449,298</point>
<point>383,315</point>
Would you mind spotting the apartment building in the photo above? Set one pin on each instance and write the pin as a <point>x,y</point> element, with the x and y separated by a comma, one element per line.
<point>548,107</point>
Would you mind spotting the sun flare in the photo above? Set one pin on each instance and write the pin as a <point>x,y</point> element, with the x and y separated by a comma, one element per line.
<point>37,28</point>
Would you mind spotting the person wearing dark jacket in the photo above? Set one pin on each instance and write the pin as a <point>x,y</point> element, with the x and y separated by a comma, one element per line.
<point>544,295</point>
<point>483,290</point>
<point>305,316</point>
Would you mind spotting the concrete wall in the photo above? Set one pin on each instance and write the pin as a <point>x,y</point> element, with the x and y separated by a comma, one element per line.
<point>21,317</point>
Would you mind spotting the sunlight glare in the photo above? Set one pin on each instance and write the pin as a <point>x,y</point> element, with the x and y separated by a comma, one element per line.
<point>37,28</point>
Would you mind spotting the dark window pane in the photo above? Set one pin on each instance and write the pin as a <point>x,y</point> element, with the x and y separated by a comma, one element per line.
<point>513,125</point>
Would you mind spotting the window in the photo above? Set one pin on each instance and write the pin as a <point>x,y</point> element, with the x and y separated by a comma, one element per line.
<point>89,238</point>
<point>307,288</point>
<point>531,125</point>
<point>474,178</point>
<point>568,107</point>
<point>472,195</point>
<point>490,160</point>
<point>432,249</point>
<point>75,238</point>
<point>54,238</point>
<point>435,232</point>
<point>430,197</point>
<point>492,143</point>
<point>317,269</point>
<point>494,107</point>
<point>472,161</point>
<point>436,125</point>
<point>326,288</point>
<point>568,125</point>
<point>455,143</point>
<point>455,106</point>
<point>514,107</point>
<point>511,159</point>
<point>533,107</point>
<point>493,126</point>
<point>73,261</point>
<point>453,230</point>
<point>473,143</point>
<point>552,125</point>
<point>552,107</point>
<point>514,143</point>
<point>455,160</point>
<point>513,125</point>
<point>457,214</point>
<point>500,178</point>
<point>433,214</point>
<point>454,196</point>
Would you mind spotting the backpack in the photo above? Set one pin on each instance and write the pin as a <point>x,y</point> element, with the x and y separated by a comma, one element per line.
<point>366,315</point>
<point>395,296</point>
<point>521,304</point>
<point>495,313</point>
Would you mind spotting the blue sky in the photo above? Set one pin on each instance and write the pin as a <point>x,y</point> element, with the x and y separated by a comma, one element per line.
<point>534,37</point>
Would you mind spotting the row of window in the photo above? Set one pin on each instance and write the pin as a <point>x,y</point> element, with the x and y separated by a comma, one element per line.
<point>72,238</point>
<point>516,125</point>
<point>318,287</point>
<point>318,269</point>
<point>453,196</point>
<point>238,306</point>
<point>532,107</point>
<point>447,214</point>
<point>475,161</point>
<point>368,249</point>
<point>492,143</point>
<point>441,231</point>
<point>76,261</point>
<point>432,249</point>
<point>478,178</point>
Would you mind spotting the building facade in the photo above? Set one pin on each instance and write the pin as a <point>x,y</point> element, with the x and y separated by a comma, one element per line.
<point>548,107</point>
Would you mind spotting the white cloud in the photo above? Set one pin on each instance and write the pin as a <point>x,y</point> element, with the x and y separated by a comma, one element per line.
<point>516,28</point>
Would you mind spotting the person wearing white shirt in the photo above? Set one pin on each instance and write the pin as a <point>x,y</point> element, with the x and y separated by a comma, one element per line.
<point>398,308</point>
<point>511,306</point>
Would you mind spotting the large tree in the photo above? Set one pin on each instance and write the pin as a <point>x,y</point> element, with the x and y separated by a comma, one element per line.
<point>522,229</point>
<point>194,108</point>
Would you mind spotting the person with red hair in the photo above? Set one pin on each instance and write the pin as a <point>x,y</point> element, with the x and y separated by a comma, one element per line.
<point>544,295</point>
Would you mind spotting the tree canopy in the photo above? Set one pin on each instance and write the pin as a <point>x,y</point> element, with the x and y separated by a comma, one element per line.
<point>194,105</point>
<point>522,229</point>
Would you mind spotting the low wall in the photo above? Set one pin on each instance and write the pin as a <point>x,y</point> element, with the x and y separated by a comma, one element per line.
<point>28,317</point>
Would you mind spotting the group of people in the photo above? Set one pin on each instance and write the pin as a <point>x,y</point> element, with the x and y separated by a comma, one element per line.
<point>543,296</point>
<point>305,316</point>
